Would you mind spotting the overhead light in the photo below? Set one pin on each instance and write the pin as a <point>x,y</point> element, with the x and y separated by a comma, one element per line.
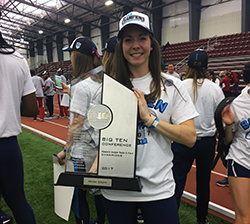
<point>40,32</point>
<point>108,3</point>
<point>67,20</point>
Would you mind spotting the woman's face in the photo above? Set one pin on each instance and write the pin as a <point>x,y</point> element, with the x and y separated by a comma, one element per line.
<point>136,46</point>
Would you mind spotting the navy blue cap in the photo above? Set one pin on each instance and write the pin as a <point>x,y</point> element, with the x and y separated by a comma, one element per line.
<point>198,55</point>
<point>110,44</point>
<point>83,45</point>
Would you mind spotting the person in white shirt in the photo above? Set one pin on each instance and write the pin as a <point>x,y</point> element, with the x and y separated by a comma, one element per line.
<point>63,109</point>
<point>172,72</point>
<point>161,99</point>
<point>82,142</point>
<point>213,77</point>
<point>39,84</point>
<point>237,130</point>
<point>206,96</point>
<point>17,97</point>
<point>49,93</point>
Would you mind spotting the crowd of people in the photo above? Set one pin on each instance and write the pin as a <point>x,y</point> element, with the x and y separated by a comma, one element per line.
<point>174,138</point>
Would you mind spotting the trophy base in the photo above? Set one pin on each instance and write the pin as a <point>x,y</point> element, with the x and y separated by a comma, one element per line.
<point>88,180</point>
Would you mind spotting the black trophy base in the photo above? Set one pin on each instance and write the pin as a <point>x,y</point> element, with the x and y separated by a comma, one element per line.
<point>88,180</point>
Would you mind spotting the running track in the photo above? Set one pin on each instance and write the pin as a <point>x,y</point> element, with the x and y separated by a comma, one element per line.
<point>220,199</point>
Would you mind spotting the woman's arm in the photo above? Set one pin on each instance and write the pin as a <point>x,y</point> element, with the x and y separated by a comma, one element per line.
<point>74,131</point>
<point>228,118</point>
<point>183,133</point>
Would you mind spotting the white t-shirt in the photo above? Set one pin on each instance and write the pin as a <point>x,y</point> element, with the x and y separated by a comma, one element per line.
<point>176,75</point>
<point>15,82</point>
<point>154,154</point>
<point>239,150</point>
<point>50,90</point>
<point>38,83</point>
<point>86,94</point>
<point>209,96</point>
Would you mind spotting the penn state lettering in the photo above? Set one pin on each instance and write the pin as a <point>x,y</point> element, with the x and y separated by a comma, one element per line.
<point>158,105</point>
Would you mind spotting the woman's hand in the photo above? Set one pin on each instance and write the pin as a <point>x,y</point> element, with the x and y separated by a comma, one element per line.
<point>65,89</point>
<point>143,107</point>
<point>60,157</point>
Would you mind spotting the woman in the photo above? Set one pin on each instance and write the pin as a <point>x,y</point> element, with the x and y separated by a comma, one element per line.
<point>206,96</point>
<point>82,141</point>
<point>213,77</point>
<point>162,119</point>
<point>237,119</point>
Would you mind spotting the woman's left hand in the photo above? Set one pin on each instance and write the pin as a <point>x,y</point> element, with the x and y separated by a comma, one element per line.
<point>142,103</point>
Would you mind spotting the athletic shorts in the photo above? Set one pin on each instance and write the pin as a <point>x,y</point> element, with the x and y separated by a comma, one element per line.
<point>236,170</point>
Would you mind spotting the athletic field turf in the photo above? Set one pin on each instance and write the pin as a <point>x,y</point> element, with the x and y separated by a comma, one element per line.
<point>38,183</point>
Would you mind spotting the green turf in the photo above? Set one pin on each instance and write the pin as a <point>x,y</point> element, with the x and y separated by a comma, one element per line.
<point>38,184</point>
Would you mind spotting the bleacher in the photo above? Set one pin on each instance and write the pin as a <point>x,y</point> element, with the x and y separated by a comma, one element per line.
<point>224,52</point>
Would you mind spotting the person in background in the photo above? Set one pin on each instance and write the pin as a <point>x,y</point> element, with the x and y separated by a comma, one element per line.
<point>206,96</point>
<point>108,55</point>
<point>225,84</point>
<point>17,97</point>
<point>236,117</point>
<point>171,71</point>
<point>81,141</point>
<point>235,82</point>
<point>49,93</point>
<point>63,109</point>
<point>138,67</point>
<point>213,77</point>
<point>39,84</point>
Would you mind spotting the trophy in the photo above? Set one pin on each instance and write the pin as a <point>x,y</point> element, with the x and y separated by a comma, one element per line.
<point>114,121</point>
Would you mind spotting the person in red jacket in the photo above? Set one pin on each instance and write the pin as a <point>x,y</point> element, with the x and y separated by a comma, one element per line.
<point>225,84</point>
<point>235,81</point>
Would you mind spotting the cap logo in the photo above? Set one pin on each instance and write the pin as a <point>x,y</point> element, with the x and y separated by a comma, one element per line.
<point>78,45</point>
<point>131,17</point>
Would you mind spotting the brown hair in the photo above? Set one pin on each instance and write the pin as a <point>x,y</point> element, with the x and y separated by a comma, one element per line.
<point>83,63</point>
<point>123,74</point>
<point>108,61</point>
<point>196,74</point>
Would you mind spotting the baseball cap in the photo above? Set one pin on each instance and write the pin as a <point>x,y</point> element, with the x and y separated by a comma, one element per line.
<point>45,73</point>
<point>110,44</point>
<point>83,45</point>
<point>198,55</point>
<point>211,72</point>
<point>134,18</point>
<point>59,70</point>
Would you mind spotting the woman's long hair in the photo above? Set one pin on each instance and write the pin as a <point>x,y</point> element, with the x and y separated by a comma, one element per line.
<point>83,63</point>
<point>108,61</point>
<point>123,74</point>
<point>196,74</point>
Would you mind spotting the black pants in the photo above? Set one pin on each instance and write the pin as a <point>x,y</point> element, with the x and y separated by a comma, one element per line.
<point>50,104</point>
<point>203,152</point>
<point>11,181</point>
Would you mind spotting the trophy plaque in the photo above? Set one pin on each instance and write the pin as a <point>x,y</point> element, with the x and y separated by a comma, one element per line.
<point>115,121</point>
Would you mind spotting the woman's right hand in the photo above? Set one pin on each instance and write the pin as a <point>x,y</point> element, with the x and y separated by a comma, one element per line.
<point>65,89</point>
<point>60,157</point>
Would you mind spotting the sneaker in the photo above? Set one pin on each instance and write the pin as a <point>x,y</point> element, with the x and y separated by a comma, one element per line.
<point>223,183</point>
<point>140,218</point>
<point>4,218</point>
<point>41,119</point>
<point>48,117</point>
<point>34,120</point>
<point>205,222</point>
